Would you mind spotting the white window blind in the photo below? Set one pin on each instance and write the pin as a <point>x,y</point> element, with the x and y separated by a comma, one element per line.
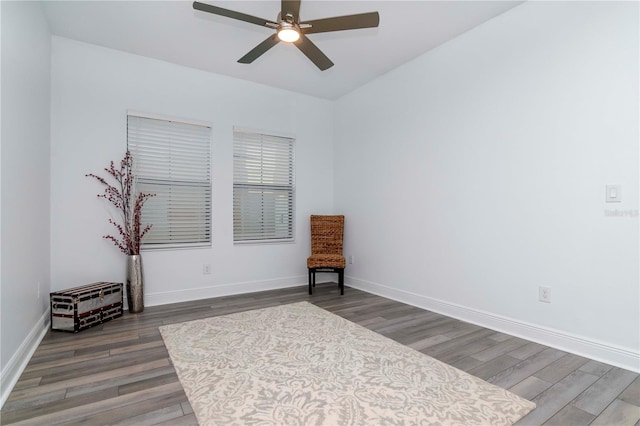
<point>173,160</point>
<point>263,187</point>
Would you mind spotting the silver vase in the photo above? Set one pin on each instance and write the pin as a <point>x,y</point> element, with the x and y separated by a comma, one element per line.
<point>135,284</point>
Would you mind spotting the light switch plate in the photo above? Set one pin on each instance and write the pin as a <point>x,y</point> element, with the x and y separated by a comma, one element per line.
<point>613,194</point>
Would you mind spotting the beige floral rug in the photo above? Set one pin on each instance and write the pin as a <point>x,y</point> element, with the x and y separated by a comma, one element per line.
<point>298,364</point>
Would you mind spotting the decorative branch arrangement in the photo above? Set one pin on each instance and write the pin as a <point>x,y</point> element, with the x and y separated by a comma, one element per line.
<point>123,197</point>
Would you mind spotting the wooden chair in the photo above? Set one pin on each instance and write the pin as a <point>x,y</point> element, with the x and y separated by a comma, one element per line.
<point>326,248</point>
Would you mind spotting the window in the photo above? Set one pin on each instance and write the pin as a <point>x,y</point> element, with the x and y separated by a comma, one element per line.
<point>263,187</point>
<point>172,159</point>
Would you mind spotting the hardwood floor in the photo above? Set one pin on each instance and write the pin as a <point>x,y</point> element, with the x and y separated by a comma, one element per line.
<point>120,372</point>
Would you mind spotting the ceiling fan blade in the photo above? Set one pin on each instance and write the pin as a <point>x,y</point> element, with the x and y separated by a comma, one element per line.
<point>233,14</point>
<point>341,23</point>
<point>257,51</point>
<point>312,52</point>
<point>292,7</point>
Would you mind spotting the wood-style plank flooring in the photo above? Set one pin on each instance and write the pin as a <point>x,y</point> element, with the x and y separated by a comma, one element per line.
<point>120,372</point>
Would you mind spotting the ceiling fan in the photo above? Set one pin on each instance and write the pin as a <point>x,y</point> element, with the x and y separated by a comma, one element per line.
<point>290,30</point>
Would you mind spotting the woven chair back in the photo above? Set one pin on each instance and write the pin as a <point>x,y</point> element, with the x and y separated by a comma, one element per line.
<point>327,234</point>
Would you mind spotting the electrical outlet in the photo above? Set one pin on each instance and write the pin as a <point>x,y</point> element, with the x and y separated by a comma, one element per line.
<point>544,294</point>
<point>351,260</point>
<point>206,269</point>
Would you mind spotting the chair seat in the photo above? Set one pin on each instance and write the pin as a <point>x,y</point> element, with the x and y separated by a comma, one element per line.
<point>326,261</point>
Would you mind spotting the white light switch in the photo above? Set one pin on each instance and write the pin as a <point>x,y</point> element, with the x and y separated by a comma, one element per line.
<point>613,194</point>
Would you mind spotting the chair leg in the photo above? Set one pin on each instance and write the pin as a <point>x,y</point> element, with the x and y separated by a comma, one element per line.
<point>312,279</point>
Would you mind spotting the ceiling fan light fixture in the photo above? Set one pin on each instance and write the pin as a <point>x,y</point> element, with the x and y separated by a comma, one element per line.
<point>288,34</point>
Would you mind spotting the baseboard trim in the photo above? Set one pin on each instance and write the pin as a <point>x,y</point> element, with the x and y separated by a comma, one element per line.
<point>167,297</point>
<point>600,351</point>
<point>18,362</point>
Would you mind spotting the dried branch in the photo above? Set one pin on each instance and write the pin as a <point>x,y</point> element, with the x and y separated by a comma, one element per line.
<point>122,195</point>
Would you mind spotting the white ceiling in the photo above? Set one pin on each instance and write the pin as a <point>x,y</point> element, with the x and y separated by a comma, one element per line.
<point>174,32</point>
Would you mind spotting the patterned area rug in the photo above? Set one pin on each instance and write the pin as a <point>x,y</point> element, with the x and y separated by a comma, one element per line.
<point>298,364</point>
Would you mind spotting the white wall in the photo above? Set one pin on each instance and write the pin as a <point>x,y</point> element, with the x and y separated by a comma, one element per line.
<point>26,64</point>
<point>92,88</point>
<point>476,173</point>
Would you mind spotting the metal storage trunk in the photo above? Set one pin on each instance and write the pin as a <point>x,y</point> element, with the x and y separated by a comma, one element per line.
<point>79,308</point>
